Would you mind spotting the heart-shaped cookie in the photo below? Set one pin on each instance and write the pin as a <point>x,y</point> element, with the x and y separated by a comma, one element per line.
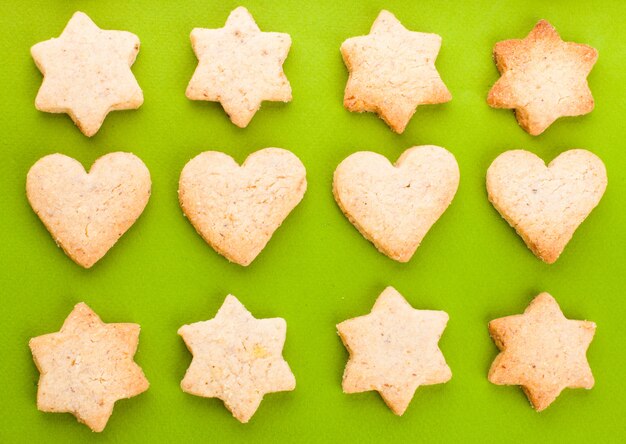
<point>86,213</point>
<point>236,209</point>
<point>394,206</point>
<point>546,204</point>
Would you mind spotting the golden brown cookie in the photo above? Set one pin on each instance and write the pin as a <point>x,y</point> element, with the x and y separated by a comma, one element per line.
<point>542,351</point>
<point>542,78</point>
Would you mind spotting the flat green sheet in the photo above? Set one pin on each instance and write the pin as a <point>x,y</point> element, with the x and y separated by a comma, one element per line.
<point>317,270</point>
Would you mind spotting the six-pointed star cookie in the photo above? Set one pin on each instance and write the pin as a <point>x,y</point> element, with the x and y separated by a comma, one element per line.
<point>239,66</point>
<point>236,358</point>
<point>542,351</point>
<point>543,78</point>
<point>392,71</point>
<point>394,350</point>
<point>87,366</point>
<point>87,73</point>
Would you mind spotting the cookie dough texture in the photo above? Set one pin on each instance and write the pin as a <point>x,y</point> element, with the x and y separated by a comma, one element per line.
<point>239,66</point>
<point>87,73</point>
<point>236,209</point>
<point>237,358</point>
<point>394,206</point>
<point>542,78</point>
<point>392,71</point>
<point>394,350</point>
<point>542,351</point>
<point>86,213</point>
<point>546,204</point>
<point>87,366</point>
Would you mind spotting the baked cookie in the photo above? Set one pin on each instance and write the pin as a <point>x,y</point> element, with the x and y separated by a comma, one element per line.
<point>87,73</point>
<point>394,206</point>
<point>394,350</point>
<point>237,358</point>
<point>236,209</point>
<point>542,351</point>
<point>546,204</point>
<point>543,78</point>
<point>239,66</point>
<point>392,71</point>
<point>86,213</point>
<point>87,366</point>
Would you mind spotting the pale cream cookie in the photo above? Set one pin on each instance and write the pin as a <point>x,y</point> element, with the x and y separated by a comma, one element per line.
<point>392,71</point>
<point>239,66</point>
<point>542,351</point>
<point>394,206</point>
<point>542,78</point>
<point>87,366</point>
<point>546,204</point>
<point>394,350</point>
<point>237,358</point>
<point>86,213</point>
<point>236,209</point>
<point>87,73</point>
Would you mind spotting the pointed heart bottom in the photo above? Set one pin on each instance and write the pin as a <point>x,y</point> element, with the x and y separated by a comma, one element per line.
<point>86,213</point>
<point>236,209</point>
<point>546,204</point>
<point>394,206</point>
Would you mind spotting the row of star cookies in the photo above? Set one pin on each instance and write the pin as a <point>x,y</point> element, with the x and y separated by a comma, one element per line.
<point>236,209</point>
<point>392,71</point>
<point>89,365</point>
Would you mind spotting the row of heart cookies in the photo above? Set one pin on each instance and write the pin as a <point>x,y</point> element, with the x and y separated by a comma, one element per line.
<point>236,209</point>
<point>392,72</point>
<point>89,365</point>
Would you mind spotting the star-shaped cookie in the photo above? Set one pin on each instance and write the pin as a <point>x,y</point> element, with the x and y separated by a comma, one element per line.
<point>392,71</point>
<point>542,78</point>
<point>236,358</point>
<point>542,351</point>
<point>394,350</point>
<point>87,73</point>
<point>239,66</point>
<point>87,366</point>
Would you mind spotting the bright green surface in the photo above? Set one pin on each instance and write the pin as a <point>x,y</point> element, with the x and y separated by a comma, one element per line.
<point>317,270</point>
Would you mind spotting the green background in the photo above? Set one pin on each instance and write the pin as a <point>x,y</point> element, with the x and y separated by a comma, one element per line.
<point>317,270</point>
